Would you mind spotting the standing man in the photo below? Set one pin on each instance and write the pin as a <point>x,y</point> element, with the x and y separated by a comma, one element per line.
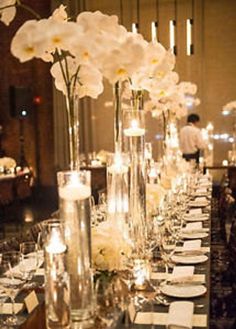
<point>191,141</point>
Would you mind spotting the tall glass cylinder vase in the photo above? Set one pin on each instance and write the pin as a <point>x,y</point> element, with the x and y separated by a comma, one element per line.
<point>72,107</point>
<point>57,283</point>
<point>74,194</point>
<point>134,141</point>
<point>118,192</point>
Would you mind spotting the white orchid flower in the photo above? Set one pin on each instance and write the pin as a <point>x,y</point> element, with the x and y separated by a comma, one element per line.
<point>105,24</point>
<point>89,82</point>
<point>60,14</point>
<point>7,13</point>
<point>23,44</point>
<point>122,62</point>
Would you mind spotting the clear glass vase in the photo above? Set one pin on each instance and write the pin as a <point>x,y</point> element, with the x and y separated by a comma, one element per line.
<point>57,283</point>
<point>74,194</point>
<point>134,145</point>
<point>72,110</point>
<point>118,191</point>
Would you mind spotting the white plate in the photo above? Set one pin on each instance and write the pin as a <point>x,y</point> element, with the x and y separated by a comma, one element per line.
<point>196,218</point>
<point>194,235</point>
<point>189,259</point>
<point>186,291</point>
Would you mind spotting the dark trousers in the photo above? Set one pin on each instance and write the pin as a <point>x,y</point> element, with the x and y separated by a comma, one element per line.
<point>192,156</point>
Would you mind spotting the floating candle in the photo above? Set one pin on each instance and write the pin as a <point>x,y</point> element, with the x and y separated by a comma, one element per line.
<point>73,193</point>
<point>56,244</point>
<point>134,130</point>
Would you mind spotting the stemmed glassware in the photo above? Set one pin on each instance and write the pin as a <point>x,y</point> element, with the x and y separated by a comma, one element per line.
<point>11,282</point>
<point>167,248</point>
<point>110,301</point>
<point>30,260</point>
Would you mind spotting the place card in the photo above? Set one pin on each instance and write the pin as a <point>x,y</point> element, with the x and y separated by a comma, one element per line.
<point>7,308</point>
<point>192,245</point>
<point>177,318</point>
<point>201,199</point>
<point>195,211</point>
<point>156,318</point>
<point>182,271</point>
<point>31,301</point>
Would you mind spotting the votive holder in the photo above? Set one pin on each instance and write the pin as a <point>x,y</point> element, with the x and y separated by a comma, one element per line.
<point>57,284</point>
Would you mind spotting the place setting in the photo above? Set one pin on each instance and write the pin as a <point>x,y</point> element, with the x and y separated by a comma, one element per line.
<point>190,253</point>
<point>182,283</point>
<point>194,231</point>
<point>196,215</point>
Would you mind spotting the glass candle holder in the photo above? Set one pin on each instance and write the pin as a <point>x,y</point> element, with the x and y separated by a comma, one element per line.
<point>134,142</point>
<point>118,189</point>
<point>141,272</point>
<point>57,287</point>
<point>74,202</point>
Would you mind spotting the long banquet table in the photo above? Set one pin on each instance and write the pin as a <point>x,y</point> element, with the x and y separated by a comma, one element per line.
<point>36,320</point>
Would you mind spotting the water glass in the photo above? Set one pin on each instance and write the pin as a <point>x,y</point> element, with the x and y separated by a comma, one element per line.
<point>30,261</point>
<point>11,282</point>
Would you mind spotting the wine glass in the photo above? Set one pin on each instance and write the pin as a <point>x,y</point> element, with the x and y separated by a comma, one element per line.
<point>167,248</point>
<point>109,301</point>
<point>30,260</point>
<point>11,281</point>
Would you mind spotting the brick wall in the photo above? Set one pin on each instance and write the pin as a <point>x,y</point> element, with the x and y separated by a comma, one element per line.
<point>38,126</point>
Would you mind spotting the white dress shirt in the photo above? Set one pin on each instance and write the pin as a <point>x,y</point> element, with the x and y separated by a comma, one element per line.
<point>190,139</point>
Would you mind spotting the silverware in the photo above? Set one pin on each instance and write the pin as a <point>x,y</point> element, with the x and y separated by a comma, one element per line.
<point>184,283</point>
<point>189,253</point>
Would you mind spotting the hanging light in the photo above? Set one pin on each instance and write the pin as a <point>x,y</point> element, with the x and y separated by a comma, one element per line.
<point>172,25</point>
<point>154,24</point>
<point>135,26</point>
<point>189,33</point>
<point>172,31</point>
<point>189,26</point>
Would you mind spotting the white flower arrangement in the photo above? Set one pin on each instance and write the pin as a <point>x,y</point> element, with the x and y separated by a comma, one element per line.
<point>110,249</point>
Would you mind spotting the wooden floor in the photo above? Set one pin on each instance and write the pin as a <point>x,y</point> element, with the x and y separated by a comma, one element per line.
<point>20,215</point>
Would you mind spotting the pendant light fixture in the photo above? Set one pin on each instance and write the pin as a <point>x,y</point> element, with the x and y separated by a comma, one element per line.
<point>172,30</point>
<point>154,24</point>
<point>135,26</point>
<point>189,32</point>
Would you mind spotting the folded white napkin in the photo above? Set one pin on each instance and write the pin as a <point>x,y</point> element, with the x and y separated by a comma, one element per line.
<point>180,315</point>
